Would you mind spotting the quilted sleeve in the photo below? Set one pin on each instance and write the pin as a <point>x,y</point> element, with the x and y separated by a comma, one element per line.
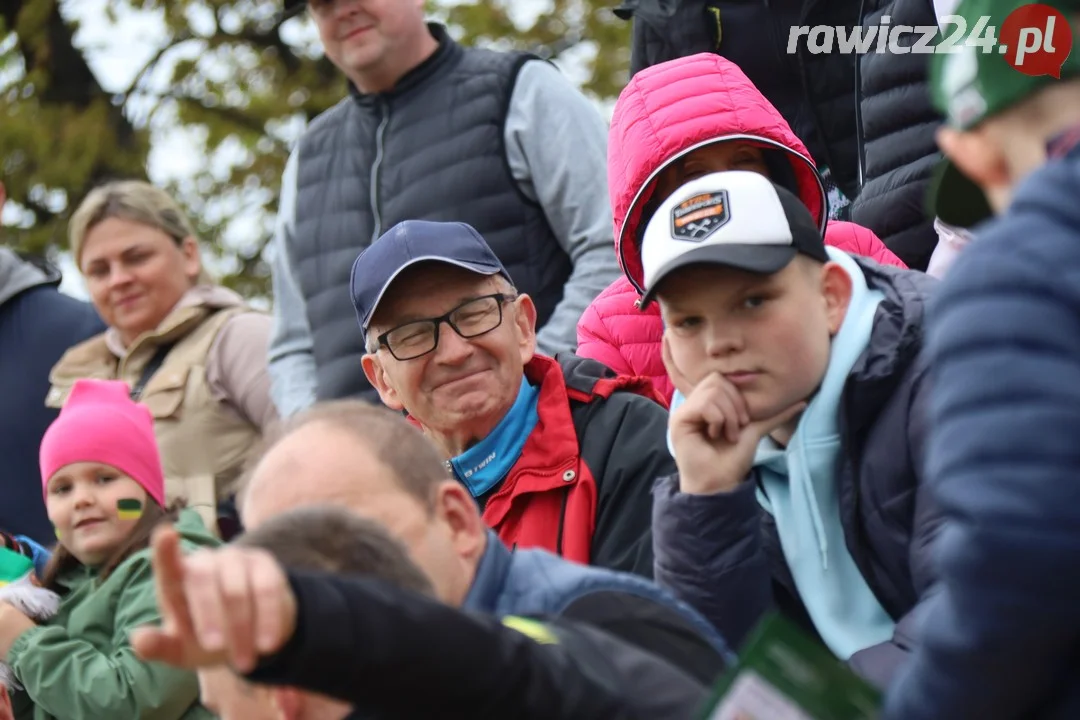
<point>595,339</point>
<point>858,240</point>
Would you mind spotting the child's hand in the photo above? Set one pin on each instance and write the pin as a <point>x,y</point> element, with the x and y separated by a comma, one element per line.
<point>227,606</point>
<point>712,434</point>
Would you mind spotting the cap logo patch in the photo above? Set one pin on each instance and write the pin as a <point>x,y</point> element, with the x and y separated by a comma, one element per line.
<point>699,217</point>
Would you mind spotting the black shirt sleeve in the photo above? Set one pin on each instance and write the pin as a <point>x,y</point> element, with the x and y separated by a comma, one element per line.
<point>392,652</point>
<point>652,627</point>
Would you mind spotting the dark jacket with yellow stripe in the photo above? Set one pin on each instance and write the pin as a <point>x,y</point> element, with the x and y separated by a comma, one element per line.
<point>391,653</point>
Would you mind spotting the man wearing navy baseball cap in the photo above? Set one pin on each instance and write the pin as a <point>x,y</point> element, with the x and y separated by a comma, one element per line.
<point>1002,637</point>
<point>559,453</point>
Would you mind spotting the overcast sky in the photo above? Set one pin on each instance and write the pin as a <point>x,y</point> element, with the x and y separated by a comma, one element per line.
<point>117,52</point>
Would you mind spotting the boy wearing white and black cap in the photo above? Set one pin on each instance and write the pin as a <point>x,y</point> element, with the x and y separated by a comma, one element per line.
<point>797,422</point>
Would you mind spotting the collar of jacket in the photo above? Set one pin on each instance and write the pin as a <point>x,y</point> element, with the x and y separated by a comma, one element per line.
<point>892,354</point>
<point>444,57</point>
<point>194,307</point>
<point>1062,144</point>
<point>551,457</point>
<point>18,275</point>
<point>485,464</point>
<point>895,342</point>
<point>487,584</point>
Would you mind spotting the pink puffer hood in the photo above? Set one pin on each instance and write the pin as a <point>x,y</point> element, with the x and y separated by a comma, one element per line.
<point>671,109</point>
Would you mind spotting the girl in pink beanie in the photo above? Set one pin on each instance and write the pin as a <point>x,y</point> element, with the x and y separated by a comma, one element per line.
<point>104,492</point>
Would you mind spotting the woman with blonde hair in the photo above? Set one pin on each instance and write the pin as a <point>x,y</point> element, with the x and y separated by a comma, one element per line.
<point>191,350</point>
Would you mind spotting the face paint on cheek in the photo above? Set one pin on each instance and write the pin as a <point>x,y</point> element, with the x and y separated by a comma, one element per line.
<point>129,509</point>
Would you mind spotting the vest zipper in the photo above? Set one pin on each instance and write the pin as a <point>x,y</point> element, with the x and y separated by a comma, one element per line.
<point>380,133</point>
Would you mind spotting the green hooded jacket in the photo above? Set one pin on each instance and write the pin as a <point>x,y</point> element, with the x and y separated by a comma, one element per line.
<point>80,666</point>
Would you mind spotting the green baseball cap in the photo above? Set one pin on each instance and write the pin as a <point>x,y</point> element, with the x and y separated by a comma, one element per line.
<point>981,73</point>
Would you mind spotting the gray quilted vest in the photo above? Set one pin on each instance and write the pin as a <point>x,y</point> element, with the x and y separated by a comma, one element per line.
<point>431,149</point>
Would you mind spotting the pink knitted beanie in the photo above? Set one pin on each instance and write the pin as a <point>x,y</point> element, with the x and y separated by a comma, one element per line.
<point>100,423</point>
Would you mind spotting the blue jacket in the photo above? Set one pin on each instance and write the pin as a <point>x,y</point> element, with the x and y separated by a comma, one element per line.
<point>536,582</point>
<point>37,325</point>
<point>1001,636</point>
<point>721,553</point>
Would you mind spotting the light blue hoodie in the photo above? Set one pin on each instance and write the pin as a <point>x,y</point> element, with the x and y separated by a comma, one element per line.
<point>798,487</point>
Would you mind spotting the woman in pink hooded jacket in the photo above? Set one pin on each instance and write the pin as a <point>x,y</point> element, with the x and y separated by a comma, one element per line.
<point>673,122</point>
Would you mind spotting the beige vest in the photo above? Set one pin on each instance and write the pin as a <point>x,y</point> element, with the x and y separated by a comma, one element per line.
<point>203,442</point>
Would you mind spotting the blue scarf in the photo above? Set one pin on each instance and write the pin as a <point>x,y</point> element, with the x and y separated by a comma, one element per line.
<point>485,464</point>
<point>798,488</point>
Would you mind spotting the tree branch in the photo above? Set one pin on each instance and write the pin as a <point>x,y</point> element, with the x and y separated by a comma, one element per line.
<point>225,112</point>
<point>180,39</point>
<point>41,213</point>
<point>270,40</point>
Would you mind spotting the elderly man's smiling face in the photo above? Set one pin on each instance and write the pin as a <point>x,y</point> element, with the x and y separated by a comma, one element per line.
<point>461,389</point>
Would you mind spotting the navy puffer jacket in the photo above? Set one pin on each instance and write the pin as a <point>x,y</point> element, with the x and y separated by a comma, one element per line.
<point>1001,637</point>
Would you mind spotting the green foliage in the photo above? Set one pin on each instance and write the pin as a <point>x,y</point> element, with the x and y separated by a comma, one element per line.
<point>230,83</point>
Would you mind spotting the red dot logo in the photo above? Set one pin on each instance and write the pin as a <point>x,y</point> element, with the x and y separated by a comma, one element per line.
<point>1036,39</point>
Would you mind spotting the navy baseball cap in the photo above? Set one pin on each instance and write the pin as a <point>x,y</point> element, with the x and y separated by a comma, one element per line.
<point>412,242</point>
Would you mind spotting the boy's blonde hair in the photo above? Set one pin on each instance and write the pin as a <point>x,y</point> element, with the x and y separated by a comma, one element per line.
<point>135,201</point>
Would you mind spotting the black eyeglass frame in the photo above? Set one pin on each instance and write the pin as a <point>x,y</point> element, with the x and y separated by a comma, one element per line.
<point>500,298</point>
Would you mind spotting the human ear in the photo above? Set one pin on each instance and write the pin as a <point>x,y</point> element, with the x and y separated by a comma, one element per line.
<point>836,290</point>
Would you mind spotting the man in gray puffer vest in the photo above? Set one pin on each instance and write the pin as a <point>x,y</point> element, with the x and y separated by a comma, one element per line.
<point>432,131</point>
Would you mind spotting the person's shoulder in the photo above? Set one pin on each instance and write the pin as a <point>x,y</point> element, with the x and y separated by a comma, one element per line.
<point>480,59</point>
<point>56,307</point>
<point>636,400</point>
<point>136,570</point>
<point>246,324</point>
<point>619,300</point>
<point>646,682</point>
<point>538,81</point>
<point>606,391</point>
<point>194,535</point>
<point>325,120</point>
<point>1034,246</point>
<point>899,322</point>
<point>1052,185</point>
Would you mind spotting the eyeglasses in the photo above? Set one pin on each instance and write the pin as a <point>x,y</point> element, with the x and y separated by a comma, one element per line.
<point>470,319</point>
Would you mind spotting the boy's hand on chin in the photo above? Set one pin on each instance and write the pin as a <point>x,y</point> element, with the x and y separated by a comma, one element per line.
<point>712,434</point>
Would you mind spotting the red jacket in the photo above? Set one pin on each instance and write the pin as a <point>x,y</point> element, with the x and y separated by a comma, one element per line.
<point>582,486</point>
<point>663,113</point>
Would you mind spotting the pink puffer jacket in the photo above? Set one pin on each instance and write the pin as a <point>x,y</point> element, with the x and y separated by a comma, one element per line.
<point>664,113</point>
